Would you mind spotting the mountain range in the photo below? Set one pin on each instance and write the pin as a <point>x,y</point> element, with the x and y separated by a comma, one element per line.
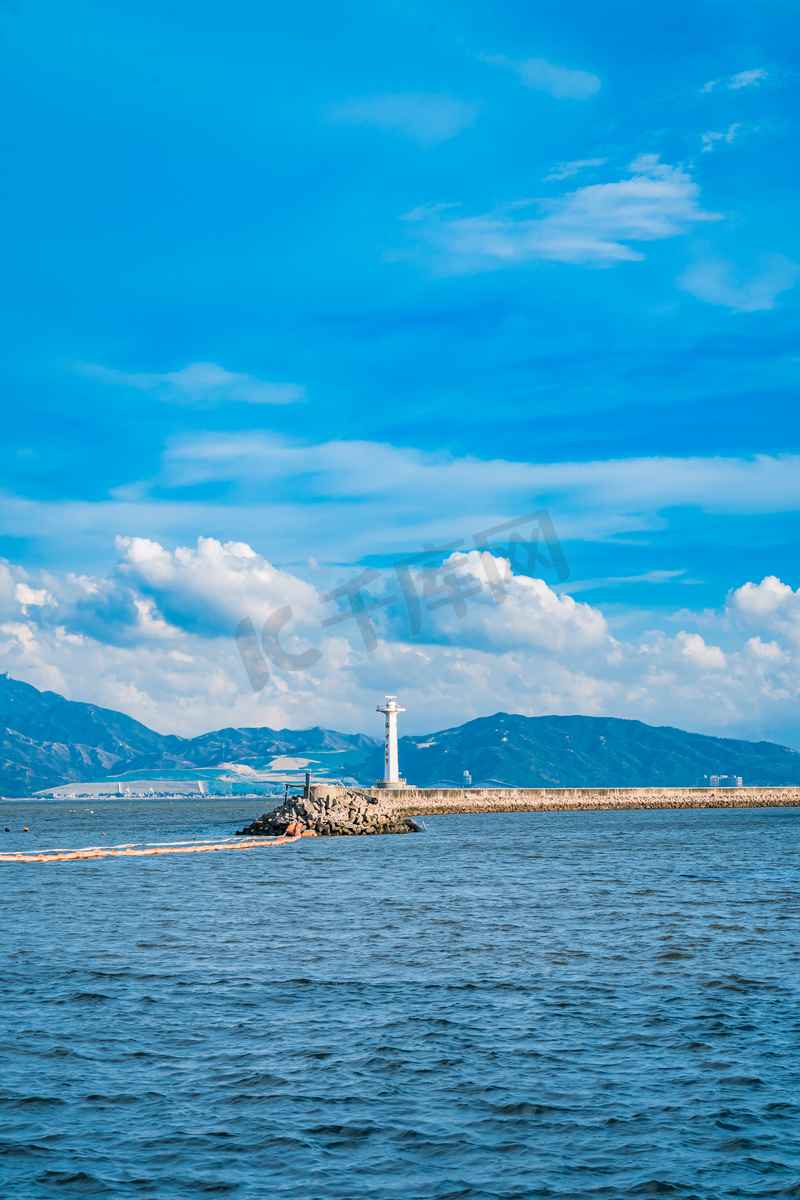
<point>46,740</point>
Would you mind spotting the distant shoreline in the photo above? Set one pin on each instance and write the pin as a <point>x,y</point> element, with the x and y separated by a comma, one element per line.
<point>462,801</point>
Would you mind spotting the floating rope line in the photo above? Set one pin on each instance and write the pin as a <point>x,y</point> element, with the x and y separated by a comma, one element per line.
<point>126,846</point>
<point>164,848</point>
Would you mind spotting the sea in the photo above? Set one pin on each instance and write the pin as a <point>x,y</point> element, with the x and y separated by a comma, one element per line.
<point>506,1006</point>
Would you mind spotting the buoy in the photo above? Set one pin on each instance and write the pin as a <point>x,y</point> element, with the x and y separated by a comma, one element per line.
<point>25,830</point>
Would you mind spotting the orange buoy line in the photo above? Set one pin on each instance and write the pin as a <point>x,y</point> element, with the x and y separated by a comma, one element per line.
<point>111,852</point>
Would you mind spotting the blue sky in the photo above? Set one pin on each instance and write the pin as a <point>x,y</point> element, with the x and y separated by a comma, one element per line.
<point>332,281</point>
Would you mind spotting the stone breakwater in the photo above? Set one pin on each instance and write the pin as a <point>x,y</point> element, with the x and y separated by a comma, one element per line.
<point>425,801</point>
<point>331,812</point>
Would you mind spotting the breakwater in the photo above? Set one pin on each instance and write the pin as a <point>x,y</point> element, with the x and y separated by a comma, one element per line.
<point>347,813</point>
<point>410,801</point>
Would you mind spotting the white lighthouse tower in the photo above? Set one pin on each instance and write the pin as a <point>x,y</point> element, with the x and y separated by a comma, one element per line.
<point>391,774</point>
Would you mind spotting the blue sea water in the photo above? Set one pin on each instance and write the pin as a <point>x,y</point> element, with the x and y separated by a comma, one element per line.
<point>520,1005</point>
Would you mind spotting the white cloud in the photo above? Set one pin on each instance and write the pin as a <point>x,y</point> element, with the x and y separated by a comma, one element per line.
<point>533,616</point>
<point>717,282</point>
<point>710,138</point>
<point>428,119</point>
<point>747,78</point>
<point>200,383</point>
<point>707,658</point>
<point>211,587</point>
<point>29,597</point>
<point>565,170</point>
<point>770,605</point>
<point>592,225</point>
<point>24,635</point>
<point>743,79</point>
<point>342,500</point>
<point>606,581</point>
<point>176,665</point>
<point>542,76</point>
<point>770,651</point>
<point>413,482</point>
<point>764,600</point>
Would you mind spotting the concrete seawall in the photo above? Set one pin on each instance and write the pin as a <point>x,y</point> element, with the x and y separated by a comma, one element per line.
<point>409,801</point>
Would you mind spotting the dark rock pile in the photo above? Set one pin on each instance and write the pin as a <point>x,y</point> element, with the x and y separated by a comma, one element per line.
<point>343,816</point>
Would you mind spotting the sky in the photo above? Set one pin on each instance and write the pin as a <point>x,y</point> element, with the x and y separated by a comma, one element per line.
<point>293,294</point>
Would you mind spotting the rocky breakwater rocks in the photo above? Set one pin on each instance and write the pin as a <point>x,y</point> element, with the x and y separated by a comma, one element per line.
<point>345,815</point>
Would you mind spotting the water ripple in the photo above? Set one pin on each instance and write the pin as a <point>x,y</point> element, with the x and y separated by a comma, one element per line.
<point>515,1006</point>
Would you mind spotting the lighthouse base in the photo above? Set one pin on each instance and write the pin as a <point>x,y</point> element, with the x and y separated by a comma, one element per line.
<point>385,783</point>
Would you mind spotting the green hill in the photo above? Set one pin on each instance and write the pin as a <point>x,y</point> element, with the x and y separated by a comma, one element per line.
<point>513,751</point>
<point>46,740</point>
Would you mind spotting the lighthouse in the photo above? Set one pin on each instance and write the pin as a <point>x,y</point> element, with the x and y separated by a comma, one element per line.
<point>391,775</point>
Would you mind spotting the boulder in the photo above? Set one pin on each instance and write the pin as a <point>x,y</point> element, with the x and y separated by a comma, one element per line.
<point>354,813</point>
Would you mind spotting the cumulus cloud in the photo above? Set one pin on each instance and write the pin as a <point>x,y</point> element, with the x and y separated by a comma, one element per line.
<point>769,605</point>
<point>199,383</point>
<point>177,666</point>
<point>564,83</point>
<point>427,119</point>
<point>210,587</point>
<point>694,648</point>
<point>532,616</point>
<point>770,651</point>
<point>29,597</point>
<point>593,225</point>
<point>718,282</point>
